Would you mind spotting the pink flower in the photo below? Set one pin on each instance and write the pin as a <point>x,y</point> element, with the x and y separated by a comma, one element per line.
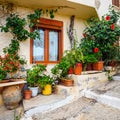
<point>107,17</point>
<point>112,27</point>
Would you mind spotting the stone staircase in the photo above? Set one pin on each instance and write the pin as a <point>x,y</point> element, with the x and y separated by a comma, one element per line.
<point>64,95</point>
<point>92,97</point>
<point>107,93</point>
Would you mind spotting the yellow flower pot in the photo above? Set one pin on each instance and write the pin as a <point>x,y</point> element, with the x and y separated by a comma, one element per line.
<point>47,90</point>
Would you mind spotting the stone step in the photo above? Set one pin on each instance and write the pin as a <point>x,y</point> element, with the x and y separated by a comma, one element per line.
<point>80,109</point>
<point>41,103</point>
<point>108,93</point>
<point>81,82</point>
<point>66,91</point>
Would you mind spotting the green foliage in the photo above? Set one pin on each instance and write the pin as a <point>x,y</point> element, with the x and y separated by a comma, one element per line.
<point>17,27</point>
<point>114,55</point>
<point>90,58</point>
<point>79,57</point>
<point>87,46</point>
<point>69,59</point>
<point>44,80</point>
<point>34,73</point>
<point>3,73</point>
<point>103,33</point>
<point>109,75</point>
<point>13,47</point>
<point>114,15</point>
<point>69,55</point>
<point>34,18</point>
<point>61,69</point>
<point>17,117</point>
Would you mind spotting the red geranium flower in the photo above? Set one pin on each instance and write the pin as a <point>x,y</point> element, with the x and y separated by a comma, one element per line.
<point>107,17</point>
<point>96,50</point>
<point>112,27</point>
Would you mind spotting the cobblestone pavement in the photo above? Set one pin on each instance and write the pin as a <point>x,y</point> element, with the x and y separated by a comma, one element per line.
<point>82,109</point>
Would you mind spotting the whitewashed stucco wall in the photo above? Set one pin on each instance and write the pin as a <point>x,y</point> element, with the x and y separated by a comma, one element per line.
<point>103,7</point>
<point>85,2</point>
<point>25,46</point>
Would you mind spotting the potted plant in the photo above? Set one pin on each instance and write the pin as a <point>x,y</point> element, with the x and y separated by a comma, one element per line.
<point>89,60</point>
<point>105,32</point>
<point>45,82</point>
<point>33,75</point>
<point>69,56</point>
<point>60,71</point>
<point>79,59</point>
<point>27,94</point>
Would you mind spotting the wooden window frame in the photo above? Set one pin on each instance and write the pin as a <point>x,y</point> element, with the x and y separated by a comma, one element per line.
<point>115,3</point>
<point>53,25</point>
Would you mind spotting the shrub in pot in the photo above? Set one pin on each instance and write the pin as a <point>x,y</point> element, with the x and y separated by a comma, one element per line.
<point>104,32</point>
<point>79,59</point>
<point>60,71</point>
<point>33,75</point>
<point>45,82</point>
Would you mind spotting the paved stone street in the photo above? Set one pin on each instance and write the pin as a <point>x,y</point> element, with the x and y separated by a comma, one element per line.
<point>82,109</point>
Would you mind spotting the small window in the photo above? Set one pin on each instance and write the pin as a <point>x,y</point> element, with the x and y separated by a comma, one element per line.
<point>49,48</point>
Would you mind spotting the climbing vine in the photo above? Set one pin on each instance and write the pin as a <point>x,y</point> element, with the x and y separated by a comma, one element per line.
<point>17,25</point>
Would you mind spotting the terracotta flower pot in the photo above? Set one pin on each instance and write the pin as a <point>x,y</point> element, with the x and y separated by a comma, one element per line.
<point>78,69</point>
<point>98,66</point>
<point>89,67</point>
<point>67,82</point>
<point>27,94</point>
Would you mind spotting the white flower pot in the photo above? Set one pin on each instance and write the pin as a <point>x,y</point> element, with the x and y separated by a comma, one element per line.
<point>34,91</point>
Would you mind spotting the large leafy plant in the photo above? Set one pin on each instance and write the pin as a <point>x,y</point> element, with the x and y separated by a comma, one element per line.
<point>34,74</point>
<point>104,33</point>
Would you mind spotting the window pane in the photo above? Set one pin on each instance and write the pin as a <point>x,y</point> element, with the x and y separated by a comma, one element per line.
<point>38,47</point>
<point>53,46</point>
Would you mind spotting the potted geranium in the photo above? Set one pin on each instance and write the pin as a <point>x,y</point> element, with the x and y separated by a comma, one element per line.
<point>105,32</point>
<point>99,64</point>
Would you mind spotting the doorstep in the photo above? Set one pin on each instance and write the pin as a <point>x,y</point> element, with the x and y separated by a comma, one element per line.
<point>41,103</point>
